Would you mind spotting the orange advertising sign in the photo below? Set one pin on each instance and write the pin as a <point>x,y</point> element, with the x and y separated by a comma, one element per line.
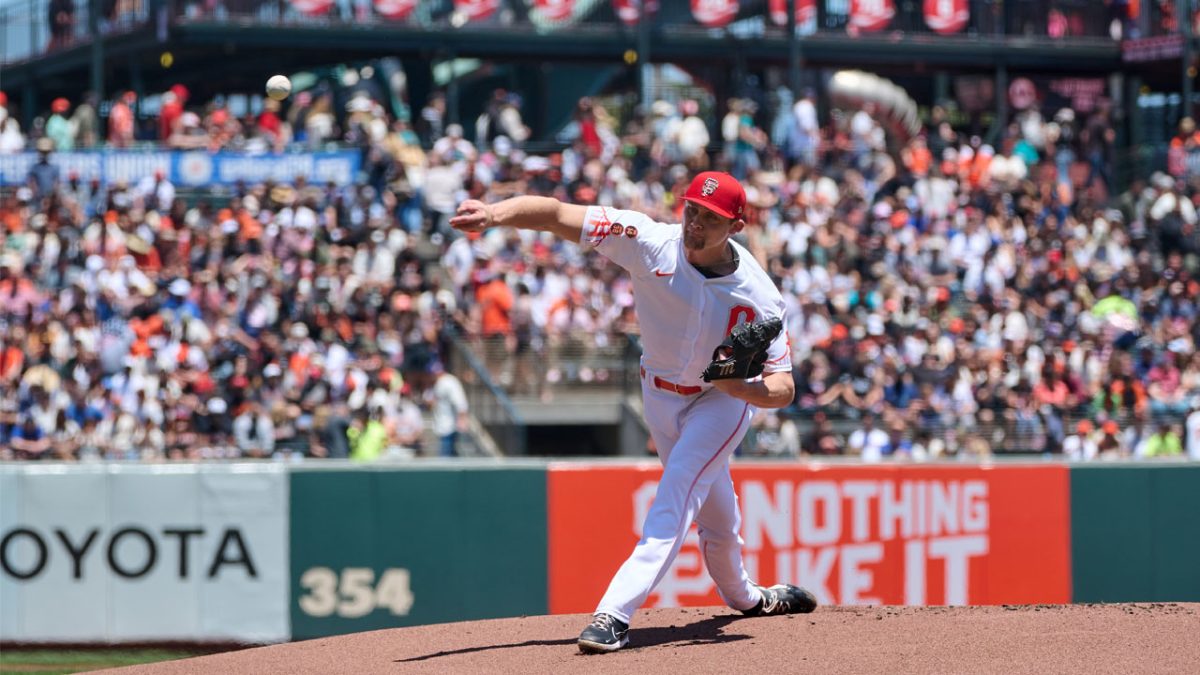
<point>900,534</point>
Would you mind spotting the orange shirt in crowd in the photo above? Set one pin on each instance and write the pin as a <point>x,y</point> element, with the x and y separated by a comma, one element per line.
<point>143,329</point>
<point>918,159</point>
<point>171,111</point>
<point>495,303</point>
<point>10,219</point>
<point>12,360</point>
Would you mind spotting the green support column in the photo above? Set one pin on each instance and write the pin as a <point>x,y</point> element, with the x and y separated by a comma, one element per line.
<point>452,92</point>
<point>136,84</point>
<point>645,75</point>
<point>794,63</point>
<point>941,87</point>
<point>29,109</point>
<point>419,75</point>
<point>1134,125</point>
<point>1001,103</point>
<point>1183,11</point>
<point>97,64</point>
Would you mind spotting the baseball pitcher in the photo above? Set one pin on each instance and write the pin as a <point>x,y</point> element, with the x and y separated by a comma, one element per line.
<point>714,352</point>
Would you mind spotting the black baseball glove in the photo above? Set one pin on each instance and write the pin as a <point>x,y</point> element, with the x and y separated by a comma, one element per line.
<point>744,353</point>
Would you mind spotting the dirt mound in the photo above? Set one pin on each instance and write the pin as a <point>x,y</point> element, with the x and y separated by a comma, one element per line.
<point>1141,638</point>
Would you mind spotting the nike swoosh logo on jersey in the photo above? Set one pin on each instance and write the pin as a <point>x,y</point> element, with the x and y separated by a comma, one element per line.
<point>657,273</point>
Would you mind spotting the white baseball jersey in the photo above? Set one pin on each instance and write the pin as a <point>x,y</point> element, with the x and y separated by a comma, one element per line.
<point>683,315</point>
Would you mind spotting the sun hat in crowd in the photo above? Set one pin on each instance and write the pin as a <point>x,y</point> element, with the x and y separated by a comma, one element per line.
<point>180,287</point>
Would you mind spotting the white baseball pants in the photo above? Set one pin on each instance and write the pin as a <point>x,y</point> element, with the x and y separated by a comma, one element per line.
<point>696,435</point>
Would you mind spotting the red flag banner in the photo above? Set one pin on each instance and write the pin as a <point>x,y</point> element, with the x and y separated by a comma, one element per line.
<point>806,11</point>
<point>630,11</point>
<point>947,16</point>
<point>312,7</point>
<point>553,10</point>
<point>476,10</point>
<point>869,16</point>
<point>396,10</point>
<point>714,13</point>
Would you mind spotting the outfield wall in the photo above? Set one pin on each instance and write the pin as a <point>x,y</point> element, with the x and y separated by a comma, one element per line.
<point>270,552</point>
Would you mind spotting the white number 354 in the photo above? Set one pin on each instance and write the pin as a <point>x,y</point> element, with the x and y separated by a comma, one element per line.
<point>356,594</point>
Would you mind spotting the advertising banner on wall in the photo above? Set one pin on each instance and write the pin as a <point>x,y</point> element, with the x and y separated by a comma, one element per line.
<point>114,553</point>
<point>854,535</point>
<point>188,169</point>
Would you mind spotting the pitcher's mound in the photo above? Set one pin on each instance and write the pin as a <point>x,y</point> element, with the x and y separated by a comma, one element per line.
<point>1137,638</point>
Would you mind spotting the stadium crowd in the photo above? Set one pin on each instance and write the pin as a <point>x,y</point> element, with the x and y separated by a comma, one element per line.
<point>947,296</point>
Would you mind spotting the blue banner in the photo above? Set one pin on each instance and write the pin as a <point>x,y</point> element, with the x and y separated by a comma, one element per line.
<point>190,168</point>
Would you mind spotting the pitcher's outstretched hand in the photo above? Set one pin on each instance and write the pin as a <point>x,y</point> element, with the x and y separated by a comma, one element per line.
<point>472,216</point>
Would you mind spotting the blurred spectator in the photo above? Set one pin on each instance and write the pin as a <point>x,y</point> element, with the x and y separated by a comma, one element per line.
<point>43,175</point>
<point>121,121</point>
<point>1081,444</point>
<point>11,139</point>
<point>772,436</point>
<point>58,128</point>
<point>868,442</point>
<point>431,125</point>
<point>85,124</point>
<point>1193,430</point>
<point>254,431</point>
<point>821,440</point>
<point>1110,445</point>
<point>62,23</point>
<point>174,102</point>
<point>1164,442</point>
<point>449,403</point>
<point>368,437</point>
<point>29,441</point>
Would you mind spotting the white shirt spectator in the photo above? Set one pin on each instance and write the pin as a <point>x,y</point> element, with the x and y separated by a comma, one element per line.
<point>1080,448</point>
<point>449,401</point>
<point>11,139</point>
<point>1168,202</point>
<point>164,192</point>
<point>1192,434</point>
<point>254,432</point>
<point>693,136</point>
<point>806,117</point>
<point>443,185</point>
<point>458,261</point>
<point>869,444</point>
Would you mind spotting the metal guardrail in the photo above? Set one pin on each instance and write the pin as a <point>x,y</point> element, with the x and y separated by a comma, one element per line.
<point>578,360</point>
<point>488,402</point>
<point>27,31</point>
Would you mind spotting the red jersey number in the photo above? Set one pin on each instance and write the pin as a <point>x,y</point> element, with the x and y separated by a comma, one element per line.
<point>736,316</point>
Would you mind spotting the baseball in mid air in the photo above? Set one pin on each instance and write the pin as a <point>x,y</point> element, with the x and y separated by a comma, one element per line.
<point>278,87</point>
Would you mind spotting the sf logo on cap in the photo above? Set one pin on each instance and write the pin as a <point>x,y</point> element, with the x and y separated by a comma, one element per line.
<point>710,186</point>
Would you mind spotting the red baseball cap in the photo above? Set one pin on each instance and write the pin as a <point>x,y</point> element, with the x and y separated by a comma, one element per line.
<point>718,192</point>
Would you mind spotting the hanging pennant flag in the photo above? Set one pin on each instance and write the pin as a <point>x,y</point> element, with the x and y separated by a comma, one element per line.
<point>714,13</point>
<point>869,16</point>
<point>630,11</point>
<point>947,16</point>
<point>552,10</point>
<point>806,12</point>
<point>476,10</point>
<point>312,7</point>
<point>396,10</point>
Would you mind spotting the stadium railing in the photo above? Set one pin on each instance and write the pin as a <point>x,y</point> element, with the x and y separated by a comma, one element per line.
<point>26,26</point>
<point>489,403</point>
